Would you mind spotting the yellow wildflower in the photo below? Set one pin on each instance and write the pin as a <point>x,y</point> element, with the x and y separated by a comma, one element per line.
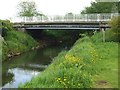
<point>65,79</point>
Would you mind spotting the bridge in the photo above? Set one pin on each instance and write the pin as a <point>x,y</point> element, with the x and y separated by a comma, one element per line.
<point>81,21</point>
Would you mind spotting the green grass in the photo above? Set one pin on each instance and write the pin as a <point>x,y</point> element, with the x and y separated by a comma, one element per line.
<point>83,66</point>
<point>13,41</point>
<point>108,65</point>
<point>16,41</point>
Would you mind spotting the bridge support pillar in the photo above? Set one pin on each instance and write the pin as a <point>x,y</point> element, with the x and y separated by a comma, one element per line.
<point>103,36</point>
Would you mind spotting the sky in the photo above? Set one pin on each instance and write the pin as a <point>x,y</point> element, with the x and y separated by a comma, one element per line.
<point>8,8</point>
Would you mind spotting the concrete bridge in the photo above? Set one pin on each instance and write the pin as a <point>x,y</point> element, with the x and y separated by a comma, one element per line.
<point>76,22</point>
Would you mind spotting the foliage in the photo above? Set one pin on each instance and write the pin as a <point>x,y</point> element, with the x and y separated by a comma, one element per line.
<point>6,26</point>
<point>109,37</point>
<point>114,33</point>
<point>115,24</point>
<point>66,71</point>
<point>102,7</point>
<point>55,33</point>
<point>27,8</point>
<point>111,34</point>
<point>80,67</point>
<point>62,34</point>
<point>15,41</point>
<point>70,69</point>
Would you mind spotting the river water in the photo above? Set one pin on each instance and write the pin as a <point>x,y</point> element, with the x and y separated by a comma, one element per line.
<point>22,68</point>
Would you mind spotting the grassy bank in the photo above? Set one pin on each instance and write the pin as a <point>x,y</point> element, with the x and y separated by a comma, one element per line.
<point>107,77</point>
<point>14,42</point>
<point>87,64</point>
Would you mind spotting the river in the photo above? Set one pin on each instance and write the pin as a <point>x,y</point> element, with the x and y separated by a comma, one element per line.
<point>22,68</point>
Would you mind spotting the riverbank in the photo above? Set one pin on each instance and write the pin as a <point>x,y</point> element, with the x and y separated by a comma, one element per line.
<point>14,42</point>
<point>27,65</point>
<point>88,64</point>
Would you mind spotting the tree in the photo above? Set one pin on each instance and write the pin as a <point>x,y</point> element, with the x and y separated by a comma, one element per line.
<point>113,33</point>
<point>27,9</point>
<point>5,26</point>
<point>102,7</point>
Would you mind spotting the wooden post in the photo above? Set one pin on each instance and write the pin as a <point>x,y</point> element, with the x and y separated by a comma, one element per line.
<point>103,31</point>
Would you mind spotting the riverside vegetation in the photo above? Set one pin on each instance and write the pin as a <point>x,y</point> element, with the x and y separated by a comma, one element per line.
<point>90,63</point>
<point>14,42</point>
<point>85,65</point>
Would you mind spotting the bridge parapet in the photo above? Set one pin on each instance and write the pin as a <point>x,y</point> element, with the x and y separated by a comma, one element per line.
<point>71,18</point>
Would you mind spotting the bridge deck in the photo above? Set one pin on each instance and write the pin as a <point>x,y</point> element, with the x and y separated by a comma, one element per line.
<point>60,22</point>
<point>61,25</point>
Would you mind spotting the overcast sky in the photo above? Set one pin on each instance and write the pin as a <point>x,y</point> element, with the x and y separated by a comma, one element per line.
<point>8,8</point>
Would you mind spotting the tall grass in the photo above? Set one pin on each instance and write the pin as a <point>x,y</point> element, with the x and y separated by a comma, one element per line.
<point>17,42</point>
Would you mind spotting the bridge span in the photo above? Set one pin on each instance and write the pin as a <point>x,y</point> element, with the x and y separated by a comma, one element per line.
<point>62,25</point>
<point>82,21</point>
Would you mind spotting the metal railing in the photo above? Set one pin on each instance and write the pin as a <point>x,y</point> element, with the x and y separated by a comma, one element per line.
<point>71,18</point>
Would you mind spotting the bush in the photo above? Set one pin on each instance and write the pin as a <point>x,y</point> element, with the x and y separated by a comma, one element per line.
<point>114,33</point>
<point>6,26</point>
<point>111,34</point>
<point>115,23</point>
<point>15,41</point>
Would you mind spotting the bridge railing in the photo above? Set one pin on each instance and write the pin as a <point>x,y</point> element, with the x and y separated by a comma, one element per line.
<point>73,18</point>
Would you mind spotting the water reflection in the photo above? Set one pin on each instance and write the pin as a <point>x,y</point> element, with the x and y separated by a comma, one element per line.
<point>20,76</point>
<point>22,68</point>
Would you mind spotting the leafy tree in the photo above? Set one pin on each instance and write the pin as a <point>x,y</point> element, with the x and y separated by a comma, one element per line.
<point>6,25</point>
<point>102,7</point>
<point>27,9</point>
<point>114,33</point>
<point>115,22</point>
<point>115,28</point>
